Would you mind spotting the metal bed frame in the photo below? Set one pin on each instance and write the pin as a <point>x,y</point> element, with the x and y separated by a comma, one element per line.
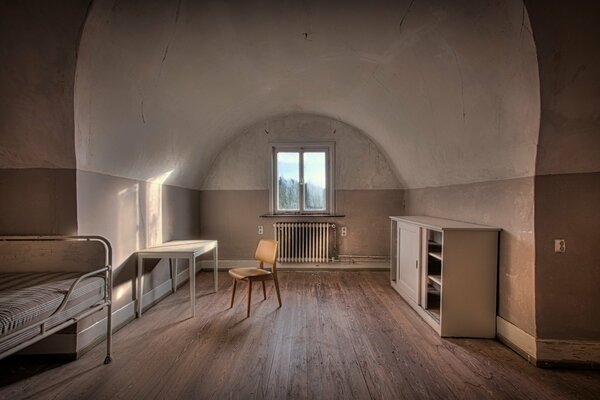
<point>105,273</point>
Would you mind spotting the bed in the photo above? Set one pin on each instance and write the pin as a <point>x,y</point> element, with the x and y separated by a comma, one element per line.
<point>50,282</point>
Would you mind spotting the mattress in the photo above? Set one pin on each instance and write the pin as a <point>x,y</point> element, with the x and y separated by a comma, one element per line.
<point>28,298</point>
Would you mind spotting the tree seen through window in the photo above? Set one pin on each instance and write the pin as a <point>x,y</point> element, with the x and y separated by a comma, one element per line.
<point>301,181</point>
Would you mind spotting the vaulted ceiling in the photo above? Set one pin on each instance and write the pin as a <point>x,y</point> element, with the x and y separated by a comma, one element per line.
<point>448,90</point>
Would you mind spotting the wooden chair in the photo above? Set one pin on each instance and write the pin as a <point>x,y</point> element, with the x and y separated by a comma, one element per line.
<point>266,252</point>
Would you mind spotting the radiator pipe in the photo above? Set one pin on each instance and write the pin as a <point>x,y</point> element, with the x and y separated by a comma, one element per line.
<point>364,257</point>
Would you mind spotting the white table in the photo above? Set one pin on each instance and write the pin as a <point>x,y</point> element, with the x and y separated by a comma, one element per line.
<point>188,249</point>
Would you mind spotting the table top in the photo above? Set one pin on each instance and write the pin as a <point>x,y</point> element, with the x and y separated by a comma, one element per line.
<point>180,247</point>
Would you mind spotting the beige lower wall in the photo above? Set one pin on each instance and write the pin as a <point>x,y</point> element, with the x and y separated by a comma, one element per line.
<point>567,284</point>
<point>367,219</point>
<point>233,217</point>
<point>134,215</point>
<point>506,204</point>
<point>38,201</point>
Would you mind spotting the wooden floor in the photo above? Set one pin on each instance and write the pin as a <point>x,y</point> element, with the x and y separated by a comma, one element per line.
<point>339,335</point>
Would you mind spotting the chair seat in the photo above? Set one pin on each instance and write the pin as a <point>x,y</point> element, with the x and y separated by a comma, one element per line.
<point>245,273</point>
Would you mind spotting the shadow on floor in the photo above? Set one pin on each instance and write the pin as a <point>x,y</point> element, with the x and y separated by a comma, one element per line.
<point>19,367</point>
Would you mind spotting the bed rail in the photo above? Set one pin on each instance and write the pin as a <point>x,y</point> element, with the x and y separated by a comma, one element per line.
<point>105,272</point>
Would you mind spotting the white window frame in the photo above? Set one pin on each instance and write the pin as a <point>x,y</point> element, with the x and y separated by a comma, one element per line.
<point>329,149</point>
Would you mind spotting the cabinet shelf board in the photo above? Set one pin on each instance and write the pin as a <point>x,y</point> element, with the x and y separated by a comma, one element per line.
<point>435,313</point>
<point>436,279</point>
<point>436,254</point>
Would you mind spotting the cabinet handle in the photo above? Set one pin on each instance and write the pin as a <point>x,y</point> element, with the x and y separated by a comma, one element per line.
<point>417,264</point>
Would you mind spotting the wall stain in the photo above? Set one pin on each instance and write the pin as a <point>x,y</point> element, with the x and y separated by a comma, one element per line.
<point>306,35</point>
<point>142,111</point>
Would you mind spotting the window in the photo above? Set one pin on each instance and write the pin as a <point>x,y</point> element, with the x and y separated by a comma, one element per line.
<point>302,178</point>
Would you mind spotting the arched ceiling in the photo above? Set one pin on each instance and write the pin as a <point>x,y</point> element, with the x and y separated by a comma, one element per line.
<point>449,90</point>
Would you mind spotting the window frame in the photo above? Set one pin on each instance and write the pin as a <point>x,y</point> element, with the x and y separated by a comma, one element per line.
<point>301,148</point>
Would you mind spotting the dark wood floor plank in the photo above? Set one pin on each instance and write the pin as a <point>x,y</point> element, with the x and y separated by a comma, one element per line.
<point>338,335</point>
<point>277,384</point>
<point>438,355</point>
<point>385,373</point>
<point>344,374</point>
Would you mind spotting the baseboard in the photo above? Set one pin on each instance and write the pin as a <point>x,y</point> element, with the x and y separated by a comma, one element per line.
<point>225,265</point>
<point>549,353</point>
<point>182,277</point>
<point>74,345</point>
<point>336,266</point>
<point>95,333</point>
<point>90,336</point>
<point>568,354</point>
<point>517,339</point>
<point>158,293</point>
<point>59,344</point>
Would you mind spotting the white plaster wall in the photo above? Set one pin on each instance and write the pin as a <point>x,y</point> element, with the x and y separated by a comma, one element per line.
<point>245,163</point>
<point>38,48</point>
<point>449,90</point>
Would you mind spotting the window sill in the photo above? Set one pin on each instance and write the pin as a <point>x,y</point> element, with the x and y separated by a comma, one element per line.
<point>302,215</point>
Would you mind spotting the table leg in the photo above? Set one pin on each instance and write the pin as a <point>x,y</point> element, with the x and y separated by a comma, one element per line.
<point>192,269</point>
<point>175,278</point>
<point>173,265</point>
<point>216,279</point>
<point>140,283</point>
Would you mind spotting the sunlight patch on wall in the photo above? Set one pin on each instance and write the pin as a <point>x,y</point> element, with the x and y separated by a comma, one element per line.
<point>153,210</point>
<point>122,290</point>
<point>128,223</point>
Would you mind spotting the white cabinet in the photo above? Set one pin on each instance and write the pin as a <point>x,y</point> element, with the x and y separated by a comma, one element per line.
<point>447,271</point>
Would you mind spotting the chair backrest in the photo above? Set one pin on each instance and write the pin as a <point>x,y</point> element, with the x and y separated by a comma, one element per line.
<point>267,252</point>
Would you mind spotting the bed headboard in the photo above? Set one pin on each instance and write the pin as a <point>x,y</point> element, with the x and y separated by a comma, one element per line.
<point>54,253</point>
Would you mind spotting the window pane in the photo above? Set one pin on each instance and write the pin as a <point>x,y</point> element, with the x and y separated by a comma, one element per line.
<point>315,181</point>
<point>288,181</point>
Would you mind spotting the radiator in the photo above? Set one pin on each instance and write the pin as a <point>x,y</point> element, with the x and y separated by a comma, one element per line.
<point>304,241</point>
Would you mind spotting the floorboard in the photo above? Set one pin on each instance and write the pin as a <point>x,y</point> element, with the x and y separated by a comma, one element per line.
<point>339,335</point>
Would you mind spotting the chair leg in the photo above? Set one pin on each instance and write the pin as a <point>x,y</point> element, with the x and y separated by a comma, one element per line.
<point>233,292</point>
<point>249,296</point>
<point>264,290</point>
<point>277,289</point>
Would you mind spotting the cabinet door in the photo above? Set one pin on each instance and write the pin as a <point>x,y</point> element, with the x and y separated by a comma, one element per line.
<point>409,240</point>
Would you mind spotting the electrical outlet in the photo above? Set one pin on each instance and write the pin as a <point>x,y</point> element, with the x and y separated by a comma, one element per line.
<point>344,231</point>
<point>260,230</point>
<point>560,246</point>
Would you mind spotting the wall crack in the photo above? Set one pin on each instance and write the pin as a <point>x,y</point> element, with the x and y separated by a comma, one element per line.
<point>166,52</point>
<point>404,16</point>
<point>523,25</point>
